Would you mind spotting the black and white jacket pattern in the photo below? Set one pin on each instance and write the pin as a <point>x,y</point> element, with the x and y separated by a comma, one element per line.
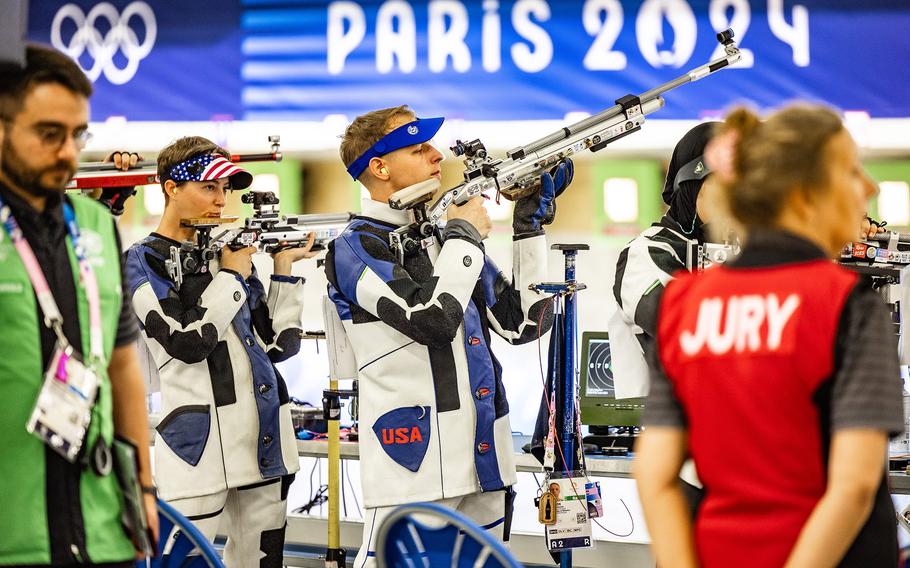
<point>225,416</point>
<point>433,410</point>
<point>644,267</point>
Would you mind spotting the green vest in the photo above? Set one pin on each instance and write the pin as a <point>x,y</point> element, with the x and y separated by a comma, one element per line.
<point>24,535</point>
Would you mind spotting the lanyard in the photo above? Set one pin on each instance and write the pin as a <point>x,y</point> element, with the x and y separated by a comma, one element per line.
<point>52,317</point>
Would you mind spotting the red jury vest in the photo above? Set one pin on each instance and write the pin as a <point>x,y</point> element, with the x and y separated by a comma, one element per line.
<point>748,352</point>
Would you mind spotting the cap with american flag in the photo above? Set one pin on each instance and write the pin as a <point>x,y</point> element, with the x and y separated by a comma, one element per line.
<point>208,167</point>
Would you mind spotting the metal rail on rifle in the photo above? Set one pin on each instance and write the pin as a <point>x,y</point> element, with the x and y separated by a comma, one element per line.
<point>519,173</point>
<point>884,254</point>
<point>92,175</point>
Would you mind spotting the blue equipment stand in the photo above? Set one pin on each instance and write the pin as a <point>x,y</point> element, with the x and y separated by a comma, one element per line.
<point>566,383</point>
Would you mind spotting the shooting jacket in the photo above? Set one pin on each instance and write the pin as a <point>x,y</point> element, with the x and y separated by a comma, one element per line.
<point>644,267</point>
<point>433,410</point>
<point>224,406</point>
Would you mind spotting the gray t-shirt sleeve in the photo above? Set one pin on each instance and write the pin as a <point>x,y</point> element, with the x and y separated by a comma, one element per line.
<point>662,408</point>
<point>867,390</point>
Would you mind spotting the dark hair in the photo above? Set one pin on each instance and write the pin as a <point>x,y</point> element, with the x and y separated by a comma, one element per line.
<point>366,130</point>
<point>182,150</point>
<point>42,65</point>
<point>773,158</point>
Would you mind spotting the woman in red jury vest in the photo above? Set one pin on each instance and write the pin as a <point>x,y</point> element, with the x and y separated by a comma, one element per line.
<point>778,372</point>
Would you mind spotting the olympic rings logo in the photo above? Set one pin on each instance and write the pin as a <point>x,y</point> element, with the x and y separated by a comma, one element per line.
<point>103,48</point>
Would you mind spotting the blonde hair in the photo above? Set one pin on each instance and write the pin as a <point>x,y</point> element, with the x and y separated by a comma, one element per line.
<point>366,130</point>
<point>773,158</point>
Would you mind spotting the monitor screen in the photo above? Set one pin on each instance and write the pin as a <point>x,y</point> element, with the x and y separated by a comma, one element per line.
<point>599,405</point>
<point>599,368</point>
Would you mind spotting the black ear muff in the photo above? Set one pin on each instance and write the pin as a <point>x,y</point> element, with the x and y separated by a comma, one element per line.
<point>694,170</point>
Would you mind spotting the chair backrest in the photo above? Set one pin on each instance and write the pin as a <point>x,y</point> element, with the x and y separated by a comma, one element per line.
<point>437,537</point>
<point>180,544</point>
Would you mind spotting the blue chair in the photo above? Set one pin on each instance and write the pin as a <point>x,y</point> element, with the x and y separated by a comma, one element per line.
<point>180,544</point>
<point>404,542</point>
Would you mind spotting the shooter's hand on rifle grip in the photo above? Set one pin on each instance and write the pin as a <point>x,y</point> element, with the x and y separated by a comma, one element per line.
<point>474,213</point>
<point>286,255</point>
<point>239,261</point>
<point>534,211</point>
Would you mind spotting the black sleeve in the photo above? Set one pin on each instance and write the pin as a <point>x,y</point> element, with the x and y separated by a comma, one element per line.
<point>461,229</point>
<point>662,408</point>
<point>127,327</point>
<point>646,311</point>
<point>867,389</point>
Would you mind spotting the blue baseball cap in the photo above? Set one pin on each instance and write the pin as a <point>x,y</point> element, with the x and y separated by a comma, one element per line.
<point>417,131</point>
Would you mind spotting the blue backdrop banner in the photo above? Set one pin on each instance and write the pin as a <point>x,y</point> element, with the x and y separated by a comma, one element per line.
<point>472,59</point>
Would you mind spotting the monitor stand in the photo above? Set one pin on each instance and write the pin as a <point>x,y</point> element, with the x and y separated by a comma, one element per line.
<point>613,440</point>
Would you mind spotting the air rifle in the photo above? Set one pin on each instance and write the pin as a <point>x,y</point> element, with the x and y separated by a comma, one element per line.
<point>519,173</point>
<point>267,230</point>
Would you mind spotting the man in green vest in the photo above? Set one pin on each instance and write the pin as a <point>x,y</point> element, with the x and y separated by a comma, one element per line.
<point>64,319</point>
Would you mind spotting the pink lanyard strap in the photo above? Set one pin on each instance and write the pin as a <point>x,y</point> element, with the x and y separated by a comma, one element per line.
<point>52,317</point>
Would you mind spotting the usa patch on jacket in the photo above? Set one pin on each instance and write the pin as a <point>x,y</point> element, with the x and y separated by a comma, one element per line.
<point>404,434</point>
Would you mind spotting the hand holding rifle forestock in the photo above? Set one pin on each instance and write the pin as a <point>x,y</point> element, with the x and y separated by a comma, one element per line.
<point>267,230</point>
<point>519,173</point>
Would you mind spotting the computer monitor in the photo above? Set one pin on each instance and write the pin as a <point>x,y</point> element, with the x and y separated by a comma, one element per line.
<point>599,406</point>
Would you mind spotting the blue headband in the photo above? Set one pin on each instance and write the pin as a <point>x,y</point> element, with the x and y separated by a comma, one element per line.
<point>416,132</point>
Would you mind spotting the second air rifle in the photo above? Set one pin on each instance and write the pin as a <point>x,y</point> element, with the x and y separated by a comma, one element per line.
<point>92,175</point>
<point>267,229</point>
<point>518,174</point>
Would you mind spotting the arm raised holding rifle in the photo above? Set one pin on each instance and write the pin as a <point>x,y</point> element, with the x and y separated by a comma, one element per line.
<point>226,424</point>
<point>519,174</point>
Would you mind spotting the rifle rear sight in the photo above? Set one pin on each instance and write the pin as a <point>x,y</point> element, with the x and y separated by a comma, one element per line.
<point>265,203</point>
<point>472,149</point>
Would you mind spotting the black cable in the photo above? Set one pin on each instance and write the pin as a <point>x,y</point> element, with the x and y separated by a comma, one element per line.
<point>320,498</point>
<point>631,520</point>
<point>320,482</point>
<point>344,502</point>
<point>313,500</point>
<point>312,471</point>
<point>354,493</point>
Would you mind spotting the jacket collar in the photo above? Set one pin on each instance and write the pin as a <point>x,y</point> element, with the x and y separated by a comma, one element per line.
<point>384,212</point>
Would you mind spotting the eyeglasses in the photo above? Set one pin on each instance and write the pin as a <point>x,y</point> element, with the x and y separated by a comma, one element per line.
<point>52,136</point>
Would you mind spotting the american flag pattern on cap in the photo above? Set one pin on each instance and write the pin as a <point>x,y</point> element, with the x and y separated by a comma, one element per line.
<point>209,167</point>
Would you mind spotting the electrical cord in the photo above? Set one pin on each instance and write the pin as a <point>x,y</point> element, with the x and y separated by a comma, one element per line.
<point>322,495</point>
<point>344,501</point>
<point>353,492</point>
<point>559,443</point>
<point>312,471</point>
